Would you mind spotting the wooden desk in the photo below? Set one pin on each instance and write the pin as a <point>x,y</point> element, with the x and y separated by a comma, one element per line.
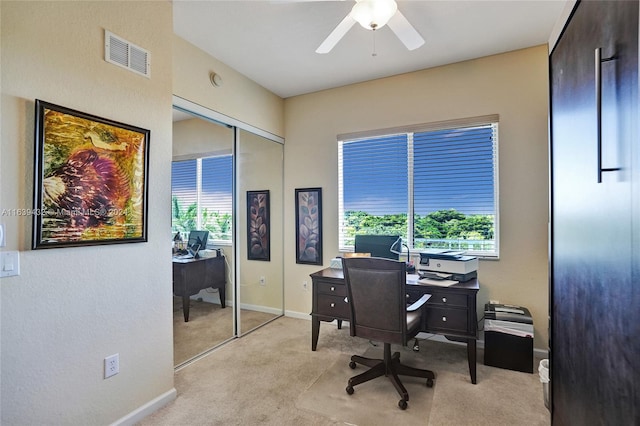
<point>450,311</point>
<point>192,275</point>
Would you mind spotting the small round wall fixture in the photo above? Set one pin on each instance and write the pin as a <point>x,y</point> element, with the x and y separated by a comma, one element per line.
<point>215,79</point>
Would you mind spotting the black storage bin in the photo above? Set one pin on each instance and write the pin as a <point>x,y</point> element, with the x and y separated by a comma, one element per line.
<point>508,337</point>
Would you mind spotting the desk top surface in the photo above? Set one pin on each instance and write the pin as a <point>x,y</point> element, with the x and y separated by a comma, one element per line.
<point>177,259</point>
<point>338,275</point>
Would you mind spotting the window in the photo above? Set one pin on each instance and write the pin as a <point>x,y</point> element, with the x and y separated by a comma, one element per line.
<point>443,176</point>
<point>201,196</point>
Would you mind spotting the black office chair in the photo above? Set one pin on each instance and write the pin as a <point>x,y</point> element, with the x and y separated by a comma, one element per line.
<point>377,299</point>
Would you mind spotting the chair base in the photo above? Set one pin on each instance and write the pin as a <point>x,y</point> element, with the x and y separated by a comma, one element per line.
<point>391,367</point>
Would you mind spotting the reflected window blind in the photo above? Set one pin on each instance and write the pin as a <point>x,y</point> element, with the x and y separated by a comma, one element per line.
<point>184,195</point>
<point>201,192</point>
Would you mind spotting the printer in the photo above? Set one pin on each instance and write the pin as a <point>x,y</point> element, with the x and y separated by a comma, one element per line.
<point>453,265</point>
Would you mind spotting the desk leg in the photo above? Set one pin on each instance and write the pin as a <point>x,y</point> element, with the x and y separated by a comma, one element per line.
<point>185,307</point>
<point>471,356</point>
<point>315,331</point>
<point>222,292</point>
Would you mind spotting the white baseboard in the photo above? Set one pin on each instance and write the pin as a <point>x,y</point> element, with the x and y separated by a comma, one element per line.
<point>150,407</point>
<point>258,308</point>
<point>299,315</point>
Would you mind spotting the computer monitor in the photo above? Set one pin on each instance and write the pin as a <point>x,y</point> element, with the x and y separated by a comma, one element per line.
<point>377,245</point>
<point>197,241</point>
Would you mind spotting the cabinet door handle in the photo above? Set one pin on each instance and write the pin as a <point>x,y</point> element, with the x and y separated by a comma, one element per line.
<point>333,305</point>
<point>333,289</point>
<point>444,319</point>
<point>444,300</point>
<point>598,74</point>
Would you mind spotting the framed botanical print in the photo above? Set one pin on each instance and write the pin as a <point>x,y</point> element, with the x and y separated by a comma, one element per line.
<point>258,225</point>
<point>309,226</point>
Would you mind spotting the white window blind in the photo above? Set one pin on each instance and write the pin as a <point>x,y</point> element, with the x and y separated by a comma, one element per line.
<point>373,174</point>
<point>202,196</point>
<point>443,177</point>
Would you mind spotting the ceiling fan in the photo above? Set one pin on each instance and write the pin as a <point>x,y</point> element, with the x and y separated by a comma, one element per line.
<point>372,15</point>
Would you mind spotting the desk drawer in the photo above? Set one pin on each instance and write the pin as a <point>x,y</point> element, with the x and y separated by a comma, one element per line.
<point>332,289</point>
<point>448,320</point>
<point>333,306</point>
<point>444,299</point>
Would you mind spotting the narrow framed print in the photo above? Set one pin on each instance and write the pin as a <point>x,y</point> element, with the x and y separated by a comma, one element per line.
<point>309,226</point>
<point>90,179</point>
<point>258,226</point>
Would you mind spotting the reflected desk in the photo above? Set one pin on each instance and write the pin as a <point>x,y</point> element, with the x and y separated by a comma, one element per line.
<point>192,275</point>
<point>451,311</point>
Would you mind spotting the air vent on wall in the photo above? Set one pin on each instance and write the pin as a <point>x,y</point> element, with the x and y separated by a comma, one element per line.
<point>120,52</point>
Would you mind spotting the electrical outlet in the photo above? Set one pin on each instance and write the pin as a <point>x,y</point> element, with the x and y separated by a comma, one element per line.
<point>305,285</point>
<point>111,365</point>
<point>263,281</point>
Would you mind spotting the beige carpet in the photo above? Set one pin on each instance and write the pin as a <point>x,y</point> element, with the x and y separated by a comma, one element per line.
<point>209,325</point>
<point>266,377</point>
<point>327,396</point>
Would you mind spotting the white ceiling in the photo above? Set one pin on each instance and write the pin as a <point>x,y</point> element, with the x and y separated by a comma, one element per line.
<point>273,42</point>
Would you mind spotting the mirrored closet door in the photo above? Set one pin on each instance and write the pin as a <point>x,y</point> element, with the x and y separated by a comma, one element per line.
<point>201,204</point>
<point>227,180</point>
<point>259,244</point>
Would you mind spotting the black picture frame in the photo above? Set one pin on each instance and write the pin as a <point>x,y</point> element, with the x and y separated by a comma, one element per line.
<point>90,179</point>
<point>258,226</point>
<point>308,202</point>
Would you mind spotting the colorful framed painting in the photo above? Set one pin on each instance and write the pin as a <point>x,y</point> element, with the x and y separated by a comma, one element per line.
<point>90,181</point>
<point>258,226</point>
<point>309,226</point>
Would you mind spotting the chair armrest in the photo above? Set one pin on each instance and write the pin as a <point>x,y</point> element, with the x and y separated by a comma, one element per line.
<point>418,304</point>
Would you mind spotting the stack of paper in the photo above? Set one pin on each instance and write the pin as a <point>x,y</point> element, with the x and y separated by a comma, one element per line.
<point>433,281</point>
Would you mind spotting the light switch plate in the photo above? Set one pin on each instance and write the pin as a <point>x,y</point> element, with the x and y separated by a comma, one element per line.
<point>9,263</point>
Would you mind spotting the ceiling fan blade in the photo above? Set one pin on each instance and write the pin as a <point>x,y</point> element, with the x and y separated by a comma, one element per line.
<point>405,31</point>
<point>336,35</point>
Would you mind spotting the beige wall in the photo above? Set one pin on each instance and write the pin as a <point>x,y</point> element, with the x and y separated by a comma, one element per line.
<point>513,85</point>
<point>239,97</point>
<point>72,307</point>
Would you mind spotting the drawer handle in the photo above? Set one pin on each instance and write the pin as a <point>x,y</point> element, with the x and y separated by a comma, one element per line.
<point>444,319</point>
<point>444,300</point>
<point>333,305</point>
<point>333,289</point>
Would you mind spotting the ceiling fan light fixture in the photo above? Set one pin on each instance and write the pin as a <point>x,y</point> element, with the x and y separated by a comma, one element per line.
<point>373,14</point>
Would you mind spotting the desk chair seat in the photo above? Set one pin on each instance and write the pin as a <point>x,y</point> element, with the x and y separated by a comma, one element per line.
<point>377,299</point>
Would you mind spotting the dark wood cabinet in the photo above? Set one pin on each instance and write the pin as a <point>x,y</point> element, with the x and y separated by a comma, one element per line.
<point>450,311</point>
<point>595,251</point>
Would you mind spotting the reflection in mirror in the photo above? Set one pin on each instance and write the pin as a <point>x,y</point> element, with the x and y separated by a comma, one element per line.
<point>202,199</point>
<point>260,276</point>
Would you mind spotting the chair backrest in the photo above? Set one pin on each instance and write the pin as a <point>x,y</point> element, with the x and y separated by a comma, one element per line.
<point>377,298</point>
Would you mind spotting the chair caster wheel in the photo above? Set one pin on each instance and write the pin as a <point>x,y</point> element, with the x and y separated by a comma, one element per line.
<point>402,404</point>
<point>349,390</point>
<point>429,383</point>
<point>352,365</point>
